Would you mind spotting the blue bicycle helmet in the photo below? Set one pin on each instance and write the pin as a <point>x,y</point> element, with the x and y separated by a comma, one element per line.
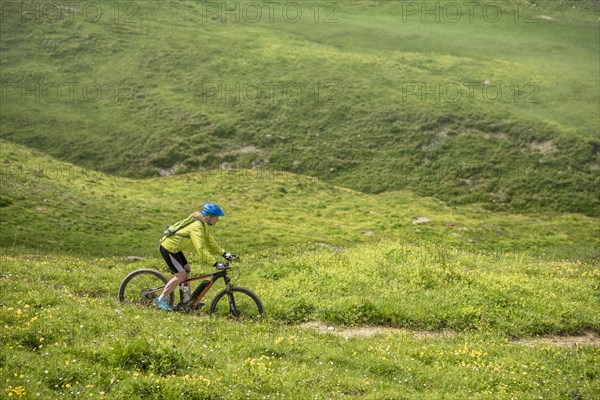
<point>212,209</point>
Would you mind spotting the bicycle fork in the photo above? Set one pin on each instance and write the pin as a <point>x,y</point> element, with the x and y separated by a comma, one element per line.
<point>232,308</point>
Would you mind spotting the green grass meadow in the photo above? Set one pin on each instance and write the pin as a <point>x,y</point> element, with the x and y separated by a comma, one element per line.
<point>457,323</point>
<point>412,187</point>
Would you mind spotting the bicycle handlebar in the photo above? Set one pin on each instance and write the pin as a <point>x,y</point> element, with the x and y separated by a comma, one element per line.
<point>225,265</point>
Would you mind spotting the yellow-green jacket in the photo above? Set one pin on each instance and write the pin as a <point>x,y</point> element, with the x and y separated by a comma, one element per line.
<point>195,235</point>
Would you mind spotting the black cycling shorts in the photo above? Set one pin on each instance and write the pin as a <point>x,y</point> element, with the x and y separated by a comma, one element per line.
<point>175,261</point>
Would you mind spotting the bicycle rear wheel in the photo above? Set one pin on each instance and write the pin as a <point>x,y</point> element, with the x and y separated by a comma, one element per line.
<point>237,303</point>
<point>142,287</point>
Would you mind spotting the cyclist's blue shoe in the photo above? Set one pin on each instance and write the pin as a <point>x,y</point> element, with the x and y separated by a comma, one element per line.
<point>163,305</point>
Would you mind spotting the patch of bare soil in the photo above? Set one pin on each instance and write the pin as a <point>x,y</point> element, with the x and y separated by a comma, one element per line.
<point>368,331</point>
<point>545,148</point>
<point>588,339</point>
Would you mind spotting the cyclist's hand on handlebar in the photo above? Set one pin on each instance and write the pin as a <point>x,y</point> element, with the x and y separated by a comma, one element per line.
<point>219,265</point>
<point>229,256</point>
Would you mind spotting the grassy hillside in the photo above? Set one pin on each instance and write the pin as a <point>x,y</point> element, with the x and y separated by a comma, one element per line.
<point>413,192</point>
<point>369,95</point>
<point>54,207</point>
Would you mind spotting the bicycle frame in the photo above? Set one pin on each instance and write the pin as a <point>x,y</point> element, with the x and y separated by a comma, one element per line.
<point>215,276</point>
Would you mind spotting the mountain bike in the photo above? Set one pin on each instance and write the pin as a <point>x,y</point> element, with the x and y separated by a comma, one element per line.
<point>143,286</point>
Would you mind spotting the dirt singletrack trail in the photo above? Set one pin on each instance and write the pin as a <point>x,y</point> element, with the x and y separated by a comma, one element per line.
<point>586,339</point>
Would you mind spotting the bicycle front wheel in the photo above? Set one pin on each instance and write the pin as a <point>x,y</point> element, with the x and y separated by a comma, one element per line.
<point>237,303</point>
<point>142,287</point>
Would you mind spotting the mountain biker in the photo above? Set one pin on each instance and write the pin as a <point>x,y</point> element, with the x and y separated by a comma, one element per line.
<point>195,235</point>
